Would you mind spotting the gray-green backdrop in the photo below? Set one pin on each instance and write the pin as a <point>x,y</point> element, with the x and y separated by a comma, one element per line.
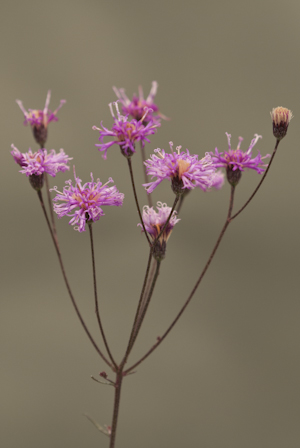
<point>228,374</point>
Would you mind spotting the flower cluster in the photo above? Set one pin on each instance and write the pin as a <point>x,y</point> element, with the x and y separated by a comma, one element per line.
<point>125,133</point>
<point>136,106</point>
<point>39,119</point>
<point>84,202</point>
<point>39,162</point>
<point>183,169</point>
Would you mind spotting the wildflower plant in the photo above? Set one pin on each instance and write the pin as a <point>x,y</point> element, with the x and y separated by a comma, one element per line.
<point>84,202</point>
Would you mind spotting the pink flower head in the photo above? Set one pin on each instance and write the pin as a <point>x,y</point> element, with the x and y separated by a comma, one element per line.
<point>235,159</point>
<point>136,106</point>
<point>84,202</point>
<point>184,170</point>
<point>39,162</point>
<point>154,221</point>
<point>125,133</point>
<point>39,119</point>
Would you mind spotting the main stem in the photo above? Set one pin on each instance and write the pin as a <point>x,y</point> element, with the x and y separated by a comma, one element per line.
<point>118,384</point>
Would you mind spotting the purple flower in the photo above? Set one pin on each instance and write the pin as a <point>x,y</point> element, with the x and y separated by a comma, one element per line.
<point>39,162</point>
<point>136,106</point>
<point>39,119</point>
<point>154,223</point>
<point>235,159</point>
<point>125,133</point>
<point>184,170</point>
<point>84,202</point>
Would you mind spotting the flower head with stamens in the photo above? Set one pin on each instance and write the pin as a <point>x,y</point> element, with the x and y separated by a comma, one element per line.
<point>183,169</point>
<point>39,162</point>
<point>281,118</point>
<point>84,202</point>
<point>154,223</point>
<point>39,119</point>
<point>125,133</point>
<point>136,106</point>
<point>235,161</point>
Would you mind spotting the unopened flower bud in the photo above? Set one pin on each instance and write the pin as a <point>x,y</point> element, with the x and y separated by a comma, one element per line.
<point>281,118</point>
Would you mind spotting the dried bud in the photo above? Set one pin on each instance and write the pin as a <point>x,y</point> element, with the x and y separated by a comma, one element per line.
<point>281,118</point>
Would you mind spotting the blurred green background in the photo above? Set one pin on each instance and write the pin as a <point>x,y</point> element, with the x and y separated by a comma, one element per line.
<point>228,374</point>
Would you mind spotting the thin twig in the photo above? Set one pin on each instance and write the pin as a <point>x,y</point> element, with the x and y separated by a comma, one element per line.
<point>258,186</point>
<point>67,283</point>
<point>96,298</point>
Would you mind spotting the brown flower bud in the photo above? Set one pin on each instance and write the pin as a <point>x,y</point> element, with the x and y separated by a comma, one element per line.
<point>281,118</point>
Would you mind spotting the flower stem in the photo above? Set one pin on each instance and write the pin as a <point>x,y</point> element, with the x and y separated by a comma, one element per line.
<point>145,173</point>
<point>96,298</point>
<point>51,207</point>
<point>138,308</point>
<point>227,222</point>
<point>136,199</point>
<point>258,186</point>
<point>67,282</point>
<point>142,314</point>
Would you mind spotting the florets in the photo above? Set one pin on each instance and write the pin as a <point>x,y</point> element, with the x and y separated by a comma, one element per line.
<point>125,133</point>
<point>183,169</point>
<point>236,161</point>
<point>281,118</point>
<point>136,106</point>
<point>154,223</point>
<point>39,162</point>
<point>39,119</point>
<point>84,202</point>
